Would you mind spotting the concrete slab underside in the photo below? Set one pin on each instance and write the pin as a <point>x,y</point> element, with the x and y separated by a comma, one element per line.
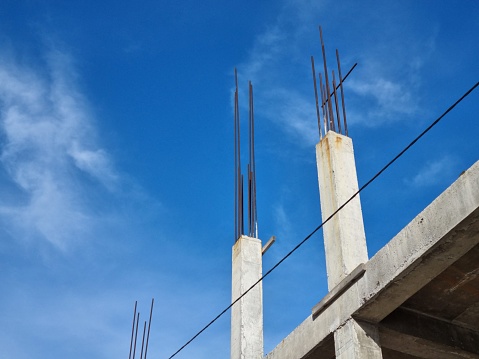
<point>431,269</point>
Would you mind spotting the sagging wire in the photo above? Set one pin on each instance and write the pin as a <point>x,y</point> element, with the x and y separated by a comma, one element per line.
<point>331,216</point>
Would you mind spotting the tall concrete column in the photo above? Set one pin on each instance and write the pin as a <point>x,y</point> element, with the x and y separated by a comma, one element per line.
<point>356,340</point>
<point>344,238</point>
<point>247,313</point>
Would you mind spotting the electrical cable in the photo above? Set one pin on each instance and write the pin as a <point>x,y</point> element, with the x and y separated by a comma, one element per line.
<point>331,216</point>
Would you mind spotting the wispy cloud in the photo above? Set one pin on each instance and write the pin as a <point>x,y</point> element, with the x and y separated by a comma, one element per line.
<point>433,172</point>
<point>387,100</point>
<point>385,88</point>
<point>48,144</point>
<point>282,221</point>
<point>380,97</point>
<point>273,65</point>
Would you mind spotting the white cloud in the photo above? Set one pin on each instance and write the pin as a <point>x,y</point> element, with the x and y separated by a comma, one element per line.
<point>384,88</point>
<point>294,114</point>
<point>432,173</point>
<point>48,144</point>
<point>390,97</point>
<point>272,66</point>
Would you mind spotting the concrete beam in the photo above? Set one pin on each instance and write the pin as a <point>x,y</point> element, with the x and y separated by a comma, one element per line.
<point>442,233</point>
<point>416,334</point>
<point>247,313</point>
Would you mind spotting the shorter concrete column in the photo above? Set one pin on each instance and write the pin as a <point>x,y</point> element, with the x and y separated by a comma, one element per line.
<point>355,340</point>
<point>247,313</point>
<point>344,238</point>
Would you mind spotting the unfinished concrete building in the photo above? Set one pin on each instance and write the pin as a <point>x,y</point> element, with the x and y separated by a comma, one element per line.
<point>417,297</point>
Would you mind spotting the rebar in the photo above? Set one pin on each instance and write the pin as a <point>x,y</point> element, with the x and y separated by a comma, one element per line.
<point>327,108</point>
<point>132,329</point>
<point>252,213</point>
<point>149,325</point>
<point>342,93</point>
<point>326,80</point>
<point>143,340</point>
<point>323,105</point>
<point>336,103</point>
<point>238,175</point>
<point>136,334</point>
<point>316,97</point>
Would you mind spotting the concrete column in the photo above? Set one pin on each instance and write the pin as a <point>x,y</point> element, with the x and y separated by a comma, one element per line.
<point>356,340</point>
<point>247,314</point>
<point>344,238</point>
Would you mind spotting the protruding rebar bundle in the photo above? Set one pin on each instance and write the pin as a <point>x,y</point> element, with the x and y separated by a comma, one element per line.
<point>251,171</point>
<point>330,123</point>
<point>134,333</point>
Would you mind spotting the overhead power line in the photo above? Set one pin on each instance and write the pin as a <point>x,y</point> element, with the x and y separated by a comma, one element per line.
<point>331,216</point>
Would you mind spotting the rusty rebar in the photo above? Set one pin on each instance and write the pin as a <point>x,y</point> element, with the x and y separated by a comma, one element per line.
<point>326,80</point>
<point>252,210</point>
<point>133,329</point>
<point>236,155</point>
<point>250,164</point>
<point>242,205</point>
<point>316,97</point>
<point>323,105</point>
<point>136,334</point>
<point>336,103</point>
<point>149,325</point>
<point>342,93</point>
<point>143,340</point>
<point>239,226</point>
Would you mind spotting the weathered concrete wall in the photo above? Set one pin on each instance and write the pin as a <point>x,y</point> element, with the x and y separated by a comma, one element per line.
<point>442,233</point>
<point>344,238</point>
<point>247,314</point>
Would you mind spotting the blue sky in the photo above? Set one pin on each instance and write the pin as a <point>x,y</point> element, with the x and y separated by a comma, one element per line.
<point>116,155</point>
